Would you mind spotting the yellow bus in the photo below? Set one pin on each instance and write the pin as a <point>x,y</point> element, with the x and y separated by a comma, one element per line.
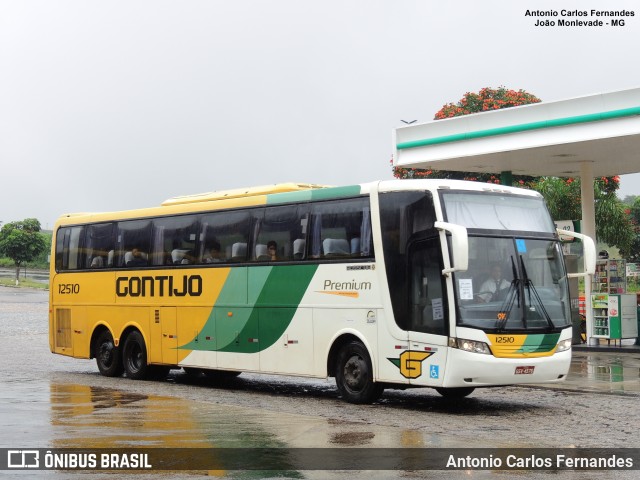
<point>392,284</point>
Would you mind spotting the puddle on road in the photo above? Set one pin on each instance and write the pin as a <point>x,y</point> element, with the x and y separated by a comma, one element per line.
<point>605,372</point>
<point>98,417</point>
<point>90,417</point>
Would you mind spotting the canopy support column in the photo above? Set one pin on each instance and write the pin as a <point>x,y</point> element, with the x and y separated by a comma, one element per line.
<point>588,227</point>
<point>506,178</point>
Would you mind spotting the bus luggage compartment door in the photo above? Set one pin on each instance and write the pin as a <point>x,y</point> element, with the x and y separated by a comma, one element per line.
<point>164,338</point>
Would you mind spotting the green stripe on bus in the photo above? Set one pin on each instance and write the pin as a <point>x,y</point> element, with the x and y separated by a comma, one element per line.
<point>314,194</point>
<point>539,343</point>
<point>259,324</point>
<point>523,127</point>
<point>286,285</point>
<point>335,192</point>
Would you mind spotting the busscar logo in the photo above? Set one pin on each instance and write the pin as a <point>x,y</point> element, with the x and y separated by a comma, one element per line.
<point>360,267</point>
<point>23,459</point>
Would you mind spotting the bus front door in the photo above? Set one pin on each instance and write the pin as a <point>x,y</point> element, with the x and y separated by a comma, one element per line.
<point>428,311</point>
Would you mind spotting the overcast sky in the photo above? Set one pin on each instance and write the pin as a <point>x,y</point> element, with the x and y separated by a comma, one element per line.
<point>110,105</point>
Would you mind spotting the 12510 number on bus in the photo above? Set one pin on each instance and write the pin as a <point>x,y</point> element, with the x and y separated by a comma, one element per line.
<point>68,288</point>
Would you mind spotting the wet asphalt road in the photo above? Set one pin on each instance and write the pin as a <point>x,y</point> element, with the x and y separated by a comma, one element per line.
<point>52,401</point>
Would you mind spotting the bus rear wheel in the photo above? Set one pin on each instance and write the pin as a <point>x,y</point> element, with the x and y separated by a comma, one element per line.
<point>453,393</point>
<point>134,356</point>
<point>107,355</point>
<point>354,375</point>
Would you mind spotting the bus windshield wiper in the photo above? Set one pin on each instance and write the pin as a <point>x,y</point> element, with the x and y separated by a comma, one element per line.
<point>532,289</point>
<point>512,294</point>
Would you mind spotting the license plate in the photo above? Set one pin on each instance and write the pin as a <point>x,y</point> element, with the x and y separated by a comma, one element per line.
<point>524,370</point>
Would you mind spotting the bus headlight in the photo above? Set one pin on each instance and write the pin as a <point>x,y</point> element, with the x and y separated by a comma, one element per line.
<point>563,345</point>
<point>470,345</point>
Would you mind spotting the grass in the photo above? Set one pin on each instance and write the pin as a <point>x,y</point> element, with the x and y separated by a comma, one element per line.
<point>6,282</point>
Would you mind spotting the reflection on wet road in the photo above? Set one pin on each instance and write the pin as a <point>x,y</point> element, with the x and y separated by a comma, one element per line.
<point>604,372</point>
<point>98,417</point>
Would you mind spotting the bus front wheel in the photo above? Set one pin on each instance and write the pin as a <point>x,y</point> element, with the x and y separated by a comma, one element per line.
<point>354,375</point>
<point>107,355</point>
<point>134,356</point>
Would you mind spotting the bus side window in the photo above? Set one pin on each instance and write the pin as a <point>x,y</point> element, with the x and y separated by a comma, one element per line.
<point>69,248</point>
<point>99,242</point>
<point>61,234</point>
<point>134,243</point>
<point>277,228</point>
<point>224,237</point>
<point>341,229</point>
<point>174,240</point>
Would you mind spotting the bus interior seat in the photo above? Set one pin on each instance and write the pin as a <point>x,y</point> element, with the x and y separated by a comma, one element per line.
<point>262,253</point>
<point>355,246</point>
<point>110,257</point>
<point>298,248</point>
<point>336,247</point>
<point>286,251</point>
<point>239,251</point>
<point>180,256</point>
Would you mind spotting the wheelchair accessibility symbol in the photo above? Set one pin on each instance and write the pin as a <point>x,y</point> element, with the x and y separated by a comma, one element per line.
<point>434,371</point>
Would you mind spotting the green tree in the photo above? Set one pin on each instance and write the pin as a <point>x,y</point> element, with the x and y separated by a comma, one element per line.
<point>613,223</point>
<point>22,242</point>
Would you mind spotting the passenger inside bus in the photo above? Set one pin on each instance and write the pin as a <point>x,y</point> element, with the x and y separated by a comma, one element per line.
<point>135,258</point>
<point>272,249</point>
<point>212,252</point>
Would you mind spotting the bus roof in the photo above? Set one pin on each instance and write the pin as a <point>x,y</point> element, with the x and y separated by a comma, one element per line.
<point>442,184</point>
<point>282,193</point>
<point>241,192</point>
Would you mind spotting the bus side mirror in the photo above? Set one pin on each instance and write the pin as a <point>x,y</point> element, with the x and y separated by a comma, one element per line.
<point>589,250</point>
<point>459,246</point>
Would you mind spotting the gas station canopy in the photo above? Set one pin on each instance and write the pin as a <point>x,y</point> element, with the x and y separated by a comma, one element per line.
<point>554,138</point>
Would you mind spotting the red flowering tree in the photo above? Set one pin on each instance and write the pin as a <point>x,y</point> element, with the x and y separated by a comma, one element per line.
<point>485,100</point>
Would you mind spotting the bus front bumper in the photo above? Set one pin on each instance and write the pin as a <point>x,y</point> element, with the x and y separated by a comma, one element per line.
<point>467,369</point>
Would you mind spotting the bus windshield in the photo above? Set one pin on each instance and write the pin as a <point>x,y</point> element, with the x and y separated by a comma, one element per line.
<point>513,284</point>
<point>514,281</point>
